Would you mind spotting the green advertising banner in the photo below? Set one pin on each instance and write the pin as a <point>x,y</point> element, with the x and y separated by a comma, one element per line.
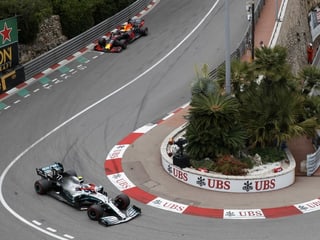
<point>8,31</point>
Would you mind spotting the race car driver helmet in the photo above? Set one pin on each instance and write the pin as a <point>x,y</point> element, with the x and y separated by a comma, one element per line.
<point>123,28</point>
<point>81,180</point>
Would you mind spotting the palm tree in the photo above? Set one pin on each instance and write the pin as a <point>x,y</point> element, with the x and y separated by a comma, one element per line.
<point>310,79</point>
<point>274,110</point>
<point>242,76</point>
<point>266,109</point>
<point>274,119</point>
<point>214,128</point>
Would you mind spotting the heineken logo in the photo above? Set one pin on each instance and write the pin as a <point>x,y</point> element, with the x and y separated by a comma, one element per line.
<point>6,31</point>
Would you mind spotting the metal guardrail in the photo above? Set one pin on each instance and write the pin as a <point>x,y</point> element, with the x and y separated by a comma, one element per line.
<point>313,162</point>
<point>68,48</point>
<point>245,42</point>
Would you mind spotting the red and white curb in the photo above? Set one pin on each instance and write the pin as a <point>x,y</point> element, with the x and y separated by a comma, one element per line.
<point>67,60</point>
<point>114,171</point>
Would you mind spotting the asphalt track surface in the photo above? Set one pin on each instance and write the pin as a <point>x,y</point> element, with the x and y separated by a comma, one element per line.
<point>77,114</point>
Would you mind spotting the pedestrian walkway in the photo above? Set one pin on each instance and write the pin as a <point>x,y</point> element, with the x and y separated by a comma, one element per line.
<point>264,26</point>
<point>134,167</point>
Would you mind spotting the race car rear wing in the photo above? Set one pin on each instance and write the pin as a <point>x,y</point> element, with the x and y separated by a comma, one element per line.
<point>52,172</point>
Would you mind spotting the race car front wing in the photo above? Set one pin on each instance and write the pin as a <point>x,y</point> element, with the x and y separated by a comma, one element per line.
<point>130,214</point>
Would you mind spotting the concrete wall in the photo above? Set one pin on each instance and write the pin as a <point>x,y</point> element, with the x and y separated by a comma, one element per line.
<point>295,32</point>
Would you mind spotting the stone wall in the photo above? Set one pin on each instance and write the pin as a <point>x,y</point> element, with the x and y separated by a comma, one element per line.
<point>295,32</point>
<point>49,37</point>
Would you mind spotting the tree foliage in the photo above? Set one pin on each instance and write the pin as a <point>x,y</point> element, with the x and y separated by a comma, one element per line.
<point>30,13</point>
<point>76,15</point>
<point>214,128</point>
<point>268,106</point>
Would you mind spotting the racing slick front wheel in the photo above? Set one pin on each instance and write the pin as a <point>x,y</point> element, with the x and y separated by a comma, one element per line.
<point>42,186</point>
<point>123,43</point>
<point>95,212</point>
<point>144,31</point>
<point>122,201</point>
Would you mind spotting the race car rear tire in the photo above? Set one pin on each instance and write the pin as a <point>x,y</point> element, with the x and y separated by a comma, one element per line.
<point>70,173</point>
<point>122,201</point>
<point>95,212</point>
<point>42,186</point>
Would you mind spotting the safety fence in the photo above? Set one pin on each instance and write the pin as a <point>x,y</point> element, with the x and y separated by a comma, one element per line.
<point>313,162</point>
<point>75,44</point>
<point>245,43</point>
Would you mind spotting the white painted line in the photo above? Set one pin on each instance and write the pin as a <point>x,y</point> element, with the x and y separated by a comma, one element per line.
<point>36,90</point>
<point>51,229</point>
<point>91,45</point>
<point>146,128</point>
<point>37,223</point>
<point>7,107</point>
<point>17,101</point>
<point>166,117</point>
<point>186,105</point>
<point>48,71</point>
<point>31,80</point>
<point>45,85</point>
<point>94,57</point>
<point>11,91</point>
<point>28,95</point>
<point>68,236</point>
<point>71,70</point>
<point>63,62</point>
<point>16,159</point>
<point>77,54</point>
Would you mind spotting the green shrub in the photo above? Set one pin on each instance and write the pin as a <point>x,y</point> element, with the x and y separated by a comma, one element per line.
<point>206,163</point>
<point>269,154</point>
<point>30,13</point>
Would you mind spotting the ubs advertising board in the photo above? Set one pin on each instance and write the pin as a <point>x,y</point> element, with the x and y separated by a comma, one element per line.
<point>11,73</point>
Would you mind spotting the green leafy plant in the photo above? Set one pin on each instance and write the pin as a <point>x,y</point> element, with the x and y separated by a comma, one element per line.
<point>269,154</point>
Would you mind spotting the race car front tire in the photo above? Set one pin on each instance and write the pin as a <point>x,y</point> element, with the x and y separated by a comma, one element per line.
<point>95,212</point>
<point>122,201</point>
<point>144,31</point>
<point>42,186</point>
<point>123,43</point>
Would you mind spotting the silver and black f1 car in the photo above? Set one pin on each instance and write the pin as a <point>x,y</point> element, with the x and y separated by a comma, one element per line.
<point>68,187</point>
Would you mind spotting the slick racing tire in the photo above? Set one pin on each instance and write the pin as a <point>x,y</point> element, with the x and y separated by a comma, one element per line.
<point>122,201</point>
<point>42,186</point>
<point>123,43</point>
<point>144,31</point>
<point>95,212</point>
